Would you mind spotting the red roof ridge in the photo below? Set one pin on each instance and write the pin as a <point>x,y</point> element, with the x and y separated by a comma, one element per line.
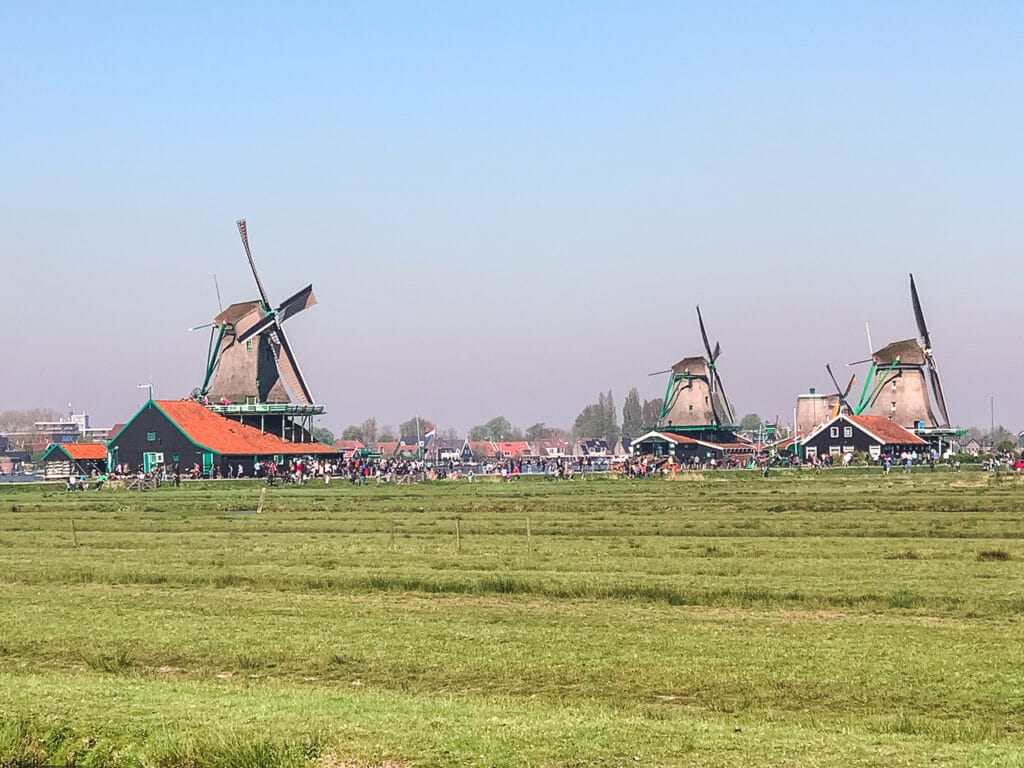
<point>226,436</point>
<point>80,451</point>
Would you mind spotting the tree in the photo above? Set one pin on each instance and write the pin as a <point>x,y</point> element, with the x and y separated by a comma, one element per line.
<point>652,412</point>
<point>498,428</point>
<point>369,429</point>
<point>322,435</point>
<point>352,432</point>
<point>751,422</point>
<point>386,435</point>
<point>536,432</point>
<point>24,421</point>
<point>365,433</point>
<point>558,433</point>
<point>632,415</point>
<point>598,420</point>
<point>450,435</point>
<point>1001,440</point>
<point>409,429</point>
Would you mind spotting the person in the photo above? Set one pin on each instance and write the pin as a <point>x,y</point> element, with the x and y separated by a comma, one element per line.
<point>240,472</point>
<point>101,480</point>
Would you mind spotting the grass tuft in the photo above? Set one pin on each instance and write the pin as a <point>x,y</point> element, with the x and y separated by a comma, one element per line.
<point>994,555</point>
<point>904,554</point>
<point>117,663</point>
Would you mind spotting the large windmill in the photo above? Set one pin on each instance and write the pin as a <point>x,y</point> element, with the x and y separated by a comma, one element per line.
<point>903,379</point>
<point>251,368</point>
<point>695,397</point>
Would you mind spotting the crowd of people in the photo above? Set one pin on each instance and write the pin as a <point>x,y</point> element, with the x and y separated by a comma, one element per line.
<point>363,469</point>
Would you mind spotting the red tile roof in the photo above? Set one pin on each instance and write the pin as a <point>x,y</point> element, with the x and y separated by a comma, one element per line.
<point>227,437</point>
<point>85,451</point>
<point>387,448</point>
<point>349,445</point>
<point>514,448</point>
<point>114,430</point>
<point>889,432</point>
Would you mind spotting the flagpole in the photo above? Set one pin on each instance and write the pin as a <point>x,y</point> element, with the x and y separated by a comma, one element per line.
<point>419,439</point>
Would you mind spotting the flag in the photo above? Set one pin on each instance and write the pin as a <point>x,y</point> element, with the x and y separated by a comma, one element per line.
<point>429,434</point>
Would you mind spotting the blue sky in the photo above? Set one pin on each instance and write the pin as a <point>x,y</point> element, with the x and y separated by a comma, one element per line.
<point>506,208</point>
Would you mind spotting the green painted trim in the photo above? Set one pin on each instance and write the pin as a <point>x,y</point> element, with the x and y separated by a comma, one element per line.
<point>55,447</point>
<point>128,423</point>
<point>883,379</point>
<point>213,357</point>
<point>182,431</point>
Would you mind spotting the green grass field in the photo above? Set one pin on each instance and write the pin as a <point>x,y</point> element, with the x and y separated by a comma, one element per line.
<point>837,619</point>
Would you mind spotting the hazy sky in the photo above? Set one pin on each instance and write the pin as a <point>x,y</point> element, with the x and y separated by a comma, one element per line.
<point>506,208</point>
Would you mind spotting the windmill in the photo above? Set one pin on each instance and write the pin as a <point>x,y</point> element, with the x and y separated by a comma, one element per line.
<point>897,386</point>
<point>841,394</point>
<point>249,358</point>
<point>695,396</point>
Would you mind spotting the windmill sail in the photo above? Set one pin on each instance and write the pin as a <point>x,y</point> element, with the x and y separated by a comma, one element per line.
<point>933,369</point>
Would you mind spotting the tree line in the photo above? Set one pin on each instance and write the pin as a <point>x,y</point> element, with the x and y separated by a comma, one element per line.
<point>599,419</point>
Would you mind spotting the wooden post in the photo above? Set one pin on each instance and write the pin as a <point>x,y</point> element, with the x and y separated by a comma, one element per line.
<point>527,530</point>
<point>263,495</point>
<point>392,547</point>
<point>74,533</point>
<point>458,535</point>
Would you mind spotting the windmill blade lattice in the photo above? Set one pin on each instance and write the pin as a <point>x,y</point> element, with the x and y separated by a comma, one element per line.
<point>933,369</point>
<point>244,232</point>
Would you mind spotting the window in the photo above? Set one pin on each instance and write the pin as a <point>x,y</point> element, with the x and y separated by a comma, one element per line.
<point>848,449</point>
<point>847,431</point>
<point>691,407</point>
<point>834,450</point>
<point>894,386</point>
<point>812,452</point>
<point>834,432</point>
<point>894,406</point>
<point>151,437</point>
<point>248,344</point>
